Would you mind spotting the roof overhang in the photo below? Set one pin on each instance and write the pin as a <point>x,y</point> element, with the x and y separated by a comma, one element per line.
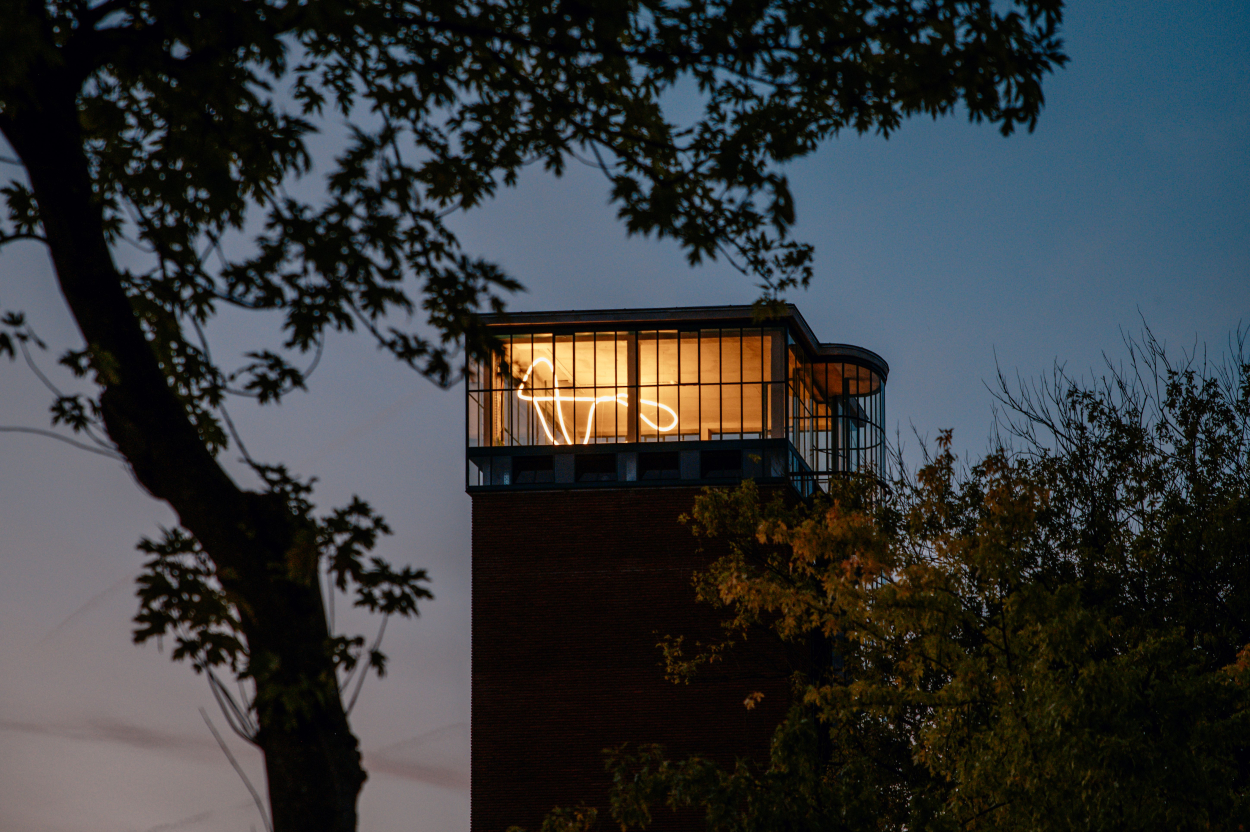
<point>685,316</point>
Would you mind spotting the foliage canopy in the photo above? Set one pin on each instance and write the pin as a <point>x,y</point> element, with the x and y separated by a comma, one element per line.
<point>1053,638</point>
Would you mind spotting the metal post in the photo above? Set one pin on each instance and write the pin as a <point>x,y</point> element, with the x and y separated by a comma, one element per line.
<point>631,379</point>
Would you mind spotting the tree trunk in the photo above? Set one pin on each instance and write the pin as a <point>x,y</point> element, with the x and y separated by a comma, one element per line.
<point>265,555</point>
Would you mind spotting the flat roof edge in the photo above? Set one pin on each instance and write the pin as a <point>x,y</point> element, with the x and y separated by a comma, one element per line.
<point>595,317</point>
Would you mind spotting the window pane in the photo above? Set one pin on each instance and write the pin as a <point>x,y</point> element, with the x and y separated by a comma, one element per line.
<point>689,358</point>
<point>667,359</point>
<point>730,370</point>
<point>648,358</point>
<point>689,410</point>
<point>752,355</point>
<point>731,411</point>
<point>709,356</point>
<point>709,412</point>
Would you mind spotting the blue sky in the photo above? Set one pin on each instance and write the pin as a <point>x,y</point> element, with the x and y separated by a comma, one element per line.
<point>945,249</point>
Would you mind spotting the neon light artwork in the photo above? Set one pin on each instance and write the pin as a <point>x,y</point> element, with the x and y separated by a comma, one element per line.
<point>558,398</point>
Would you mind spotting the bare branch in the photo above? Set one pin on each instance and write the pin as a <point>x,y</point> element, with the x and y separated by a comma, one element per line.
<point>54,435</point>
<point>260,804</point>
<point>364,664</point>
<point>236,717</point>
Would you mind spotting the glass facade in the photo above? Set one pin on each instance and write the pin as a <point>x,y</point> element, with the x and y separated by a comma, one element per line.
<point>607,387</point>
<point>788,411</point>
<point>710,384</point>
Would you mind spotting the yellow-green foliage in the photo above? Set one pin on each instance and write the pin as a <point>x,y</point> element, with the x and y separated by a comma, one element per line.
<point>1053,638</point>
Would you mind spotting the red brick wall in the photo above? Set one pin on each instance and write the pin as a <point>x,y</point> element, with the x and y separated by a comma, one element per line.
<point>571,591</point>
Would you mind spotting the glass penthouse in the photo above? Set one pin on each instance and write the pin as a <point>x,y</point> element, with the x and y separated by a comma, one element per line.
<point>683,396</point>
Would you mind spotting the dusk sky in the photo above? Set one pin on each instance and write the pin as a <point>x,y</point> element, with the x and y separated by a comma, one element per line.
<point>948,250</point>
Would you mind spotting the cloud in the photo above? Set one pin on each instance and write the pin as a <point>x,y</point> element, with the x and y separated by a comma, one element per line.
<point>402,759</point>
<point>184,823</point>
<point>445,776</point>
<point>395,760</point>
<point>110,729</point>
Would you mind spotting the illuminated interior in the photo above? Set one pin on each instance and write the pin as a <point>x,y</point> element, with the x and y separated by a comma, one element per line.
<point>681,385</point>
<point>549,398</point>
<point>581,388</point>
<point>716,382</point>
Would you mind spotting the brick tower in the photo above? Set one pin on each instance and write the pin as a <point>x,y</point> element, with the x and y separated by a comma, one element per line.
<point>586,442</point>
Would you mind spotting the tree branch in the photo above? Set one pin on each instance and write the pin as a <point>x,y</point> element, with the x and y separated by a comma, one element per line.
<point>54,435</point>
<point>238,769</point>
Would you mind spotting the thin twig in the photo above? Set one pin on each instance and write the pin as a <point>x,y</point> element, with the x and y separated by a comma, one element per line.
<point>260,804</point>
<point>330,589</point>
<point>236,717</point>
<point>86,428</point>
<point>208,354</point>
<point>238,440</point>
<point>34,368</point>
<point>365,670</point>
<point>53,435</point>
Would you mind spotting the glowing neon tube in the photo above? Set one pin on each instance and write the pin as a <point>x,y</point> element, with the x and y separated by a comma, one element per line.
<point>558,398</point>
